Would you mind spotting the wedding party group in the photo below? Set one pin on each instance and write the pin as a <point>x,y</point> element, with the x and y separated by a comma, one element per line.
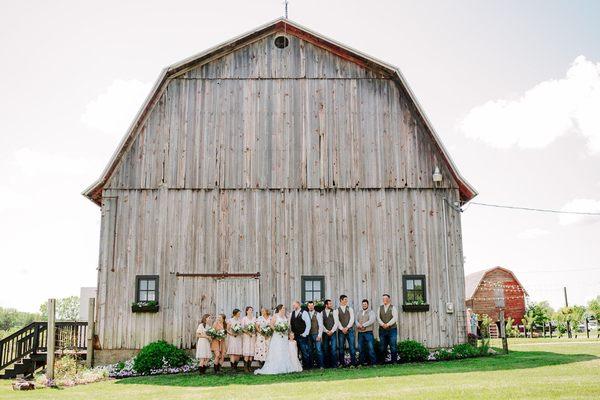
<point>302,339</point>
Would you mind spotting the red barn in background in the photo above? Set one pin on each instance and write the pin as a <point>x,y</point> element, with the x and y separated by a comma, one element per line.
<point>487,290</point>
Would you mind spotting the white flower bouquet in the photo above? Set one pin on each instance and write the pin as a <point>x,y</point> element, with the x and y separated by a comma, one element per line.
<point>250,329</point>
<point>266,331</point>
<point>281,327</point>
<point>237,329</point>
<point>218,334</point>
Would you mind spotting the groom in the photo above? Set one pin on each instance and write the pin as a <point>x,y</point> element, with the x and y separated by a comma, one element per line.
<point>300,325</point>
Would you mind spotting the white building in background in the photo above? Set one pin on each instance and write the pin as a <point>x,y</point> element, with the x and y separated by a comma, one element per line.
<point>85,294</point>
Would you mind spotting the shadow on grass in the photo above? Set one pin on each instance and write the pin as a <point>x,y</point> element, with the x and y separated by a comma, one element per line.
<point>513,361</point>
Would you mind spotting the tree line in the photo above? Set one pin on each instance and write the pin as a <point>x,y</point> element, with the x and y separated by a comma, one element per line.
<point>11,320</point>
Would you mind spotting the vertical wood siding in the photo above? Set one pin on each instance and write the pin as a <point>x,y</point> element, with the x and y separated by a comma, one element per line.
<point>285,162</point>
<point>361,241</point>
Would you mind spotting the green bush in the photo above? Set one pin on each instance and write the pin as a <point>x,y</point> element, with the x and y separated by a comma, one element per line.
<point>157,355</point>
<point>443,355</point>
<point>412,351</point>
<point>465,350</point>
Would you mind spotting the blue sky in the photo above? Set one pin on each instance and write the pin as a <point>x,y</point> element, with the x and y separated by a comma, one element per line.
<point>74,74</point>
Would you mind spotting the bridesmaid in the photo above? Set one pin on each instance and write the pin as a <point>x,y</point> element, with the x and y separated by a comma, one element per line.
<point>262,342</point>
<point>218,345</point>
<point>248,339</point>
<point>203,345</point>
<point>234,340</point>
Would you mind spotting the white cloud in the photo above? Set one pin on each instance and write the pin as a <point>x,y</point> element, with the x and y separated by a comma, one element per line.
<point>532,233</point>
<point>580,205</point>
<point>543,113</point>
<point>113,110</point>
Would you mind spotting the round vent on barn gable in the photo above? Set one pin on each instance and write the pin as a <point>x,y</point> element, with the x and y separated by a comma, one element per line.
<point>281,42</point>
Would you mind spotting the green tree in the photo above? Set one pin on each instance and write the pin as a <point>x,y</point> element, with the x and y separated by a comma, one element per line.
<point>528,321</point>
<point>594,308</point>
<point>12,320</point>
<point>67,309</point>
<point>541,312</point>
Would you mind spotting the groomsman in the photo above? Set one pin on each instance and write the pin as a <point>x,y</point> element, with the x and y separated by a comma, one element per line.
<point>315,334</point>
<point>344,318</point>
<point>329,335</point>
<point>388,332</point>
<point>300,325</point>
<point>365,322</point>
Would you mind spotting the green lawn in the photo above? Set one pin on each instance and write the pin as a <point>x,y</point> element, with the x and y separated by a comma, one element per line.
<point>534,369</point>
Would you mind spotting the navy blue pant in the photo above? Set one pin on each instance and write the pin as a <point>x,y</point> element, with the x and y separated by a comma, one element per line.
<point>388,337</point>
<point>366,348</point>
<point>342,339</point>
<point>316,348</point>
<point>330,349</point>
<point>304,347</point>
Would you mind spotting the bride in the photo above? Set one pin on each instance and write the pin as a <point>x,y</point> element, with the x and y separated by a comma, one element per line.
<point>282,357</point>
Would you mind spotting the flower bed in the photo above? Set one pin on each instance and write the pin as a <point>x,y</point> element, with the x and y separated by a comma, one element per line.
<point>126,369</point>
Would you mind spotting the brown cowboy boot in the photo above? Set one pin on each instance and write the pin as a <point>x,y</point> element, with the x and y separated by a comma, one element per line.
<point>246,366</point>
<point>216,367</point>
<point>202,370</point>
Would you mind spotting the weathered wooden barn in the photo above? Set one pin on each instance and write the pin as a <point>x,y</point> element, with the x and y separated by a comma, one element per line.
<point>279,165</point>
<point>489,290</point>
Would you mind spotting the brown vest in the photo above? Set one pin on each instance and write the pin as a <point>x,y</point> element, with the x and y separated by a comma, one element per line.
<point>363,317</point>
<point>344,317</point>
<point>328,321</point>
<point>386,316</point>
<point>314,323</point>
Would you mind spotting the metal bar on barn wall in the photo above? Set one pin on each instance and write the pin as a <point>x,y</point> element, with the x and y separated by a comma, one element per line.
<point>51,338</point>
<point>89,360</point>
<point>219,275</point>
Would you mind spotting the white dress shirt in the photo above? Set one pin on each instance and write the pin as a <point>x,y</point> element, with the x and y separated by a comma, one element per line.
<point>371,319</point>
<point>326,314</point>
<point>337,320</point>
<point>319,321</point>
<point>305,318</point>
<point>394,315</point>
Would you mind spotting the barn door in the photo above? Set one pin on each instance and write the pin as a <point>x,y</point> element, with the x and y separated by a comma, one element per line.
<point>237,293</point>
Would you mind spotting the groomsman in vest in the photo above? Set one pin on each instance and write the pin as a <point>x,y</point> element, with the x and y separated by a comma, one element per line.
<point>315,334</point>
<point>365,322</point>
<point>344,318</point>
<point>388,332</point>
<point>300,325</point>
<point>329,335</point>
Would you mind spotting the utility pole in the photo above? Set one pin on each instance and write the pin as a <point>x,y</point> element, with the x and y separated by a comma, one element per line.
<point>567,305</point>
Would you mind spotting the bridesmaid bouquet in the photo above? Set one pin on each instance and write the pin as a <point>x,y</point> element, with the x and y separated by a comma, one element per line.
<point>266,331</point>
<point>236,329</point>
<point>218,334</point>
<point>281,327</point>
<point>250,329</point>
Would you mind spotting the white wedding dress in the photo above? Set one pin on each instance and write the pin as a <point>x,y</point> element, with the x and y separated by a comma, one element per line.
<point>282,357</point>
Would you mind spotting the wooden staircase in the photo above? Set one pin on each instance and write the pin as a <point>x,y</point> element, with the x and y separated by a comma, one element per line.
<point>494,332</point>
<point>24,352</point>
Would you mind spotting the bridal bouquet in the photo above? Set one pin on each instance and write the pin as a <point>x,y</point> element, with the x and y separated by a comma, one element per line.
<point>266,331</point>
<point>218,334</point>
<point>236,329</point>
<point>250,329</point>
<point>281,327</point>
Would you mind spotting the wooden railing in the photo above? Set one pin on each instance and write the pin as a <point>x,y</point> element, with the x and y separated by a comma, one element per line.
<point>33,339</point>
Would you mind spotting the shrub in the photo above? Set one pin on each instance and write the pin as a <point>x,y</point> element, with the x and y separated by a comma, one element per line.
<point>412,351</point>
<point>157,355</point>
<point>465,350</point>
<point>443,355</point>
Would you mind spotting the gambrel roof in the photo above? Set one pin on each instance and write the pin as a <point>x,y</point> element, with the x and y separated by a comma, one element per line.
<point>94,192</point>
<point>473,280</point>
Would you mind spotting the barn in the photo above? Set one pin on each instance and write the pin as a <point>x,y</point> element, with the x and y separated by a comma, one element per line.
<point>279,165</point>
<point>490,290</point>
